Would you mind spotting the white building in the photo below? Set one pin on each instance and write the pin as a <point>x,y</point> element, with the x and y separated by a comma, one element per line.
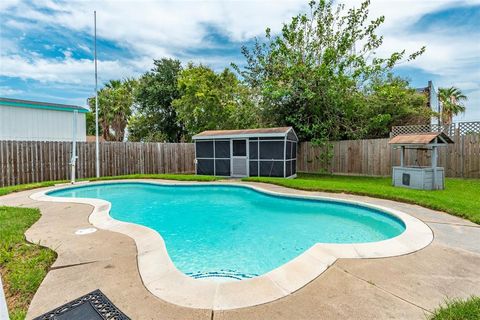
<point>40,121</point>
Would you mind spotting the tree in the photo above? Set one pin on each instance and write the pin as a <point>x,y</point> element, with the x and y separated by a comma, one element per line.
<point>317,74</point>
<point>451,100</point>
<point>155,119</point>
<point>90,120</point>
<point>392,103</point>
<point>115,101</point>
<point>211,100</point>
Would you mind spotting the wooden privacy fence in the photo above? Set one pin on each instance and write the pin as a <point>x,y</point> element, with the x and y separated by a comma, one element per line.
<point>376,157</point>
<point>26,162</point>
<point>34,161</point>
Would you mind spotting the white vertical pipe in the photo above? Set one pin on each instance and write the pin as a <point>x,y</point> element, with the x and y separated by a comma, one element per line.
<point>97,158</point>
<point>74,147</point>
<point>285,156</point>
<point>214,160</point>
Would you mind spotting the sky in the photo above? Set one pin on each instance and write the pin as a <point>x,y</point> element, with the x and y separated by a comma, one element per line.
<point>46,46</point>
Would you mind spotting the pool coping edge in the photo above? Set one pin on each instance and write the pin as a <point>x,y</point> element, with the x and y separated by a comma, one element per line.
<point>160,276</point>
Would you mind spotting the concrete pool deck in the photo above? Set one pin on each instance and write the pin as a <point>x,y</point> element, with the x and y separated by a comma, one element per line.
<point>407,286</point>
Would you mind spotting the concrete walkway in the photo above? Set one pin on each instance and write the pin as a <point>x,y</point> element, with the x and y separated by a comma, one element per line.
<point>405,287</point>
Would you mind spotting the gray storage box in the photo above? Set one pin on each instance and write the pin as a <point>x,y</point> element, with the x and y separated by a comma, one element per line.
<point>419,178</point>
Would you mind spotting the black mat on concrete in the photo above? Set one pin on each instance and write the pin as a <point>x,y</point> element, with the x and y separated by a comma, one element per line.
<point>92,306</point>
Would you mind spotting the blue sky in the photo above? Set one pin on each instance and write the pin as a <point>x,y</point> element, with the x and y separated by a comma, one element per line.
<point>46,46</point>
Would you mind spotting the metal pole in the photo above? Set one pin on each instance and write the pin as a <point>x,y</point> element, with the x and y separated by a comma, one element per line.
<point>434,167</point>
<point>97,158</point>
<point>74,147</point>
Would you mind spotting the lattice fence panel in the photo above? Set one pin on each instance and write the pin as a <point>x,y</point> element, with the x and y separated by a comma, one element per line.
<point>397,130</point>
<point>465,128</point>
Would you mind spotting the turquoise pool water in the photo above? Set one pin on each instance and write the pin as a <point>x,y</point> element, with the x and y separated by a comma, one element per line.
<point>236,232</point>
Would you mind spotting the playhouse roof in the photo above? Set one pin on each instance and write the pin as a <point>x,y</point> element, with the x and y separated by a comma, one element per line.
<point>421,138</point>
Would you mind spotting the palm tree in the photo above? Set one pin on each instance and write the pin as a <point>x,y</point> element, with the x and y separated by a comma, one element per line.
<point>120,95</point>
<point>115,108</point>
<point>451,100</point>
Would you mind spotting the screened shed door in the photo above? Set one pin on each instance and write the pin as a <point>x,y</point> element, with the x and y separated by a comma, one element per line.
<point>239,158</point>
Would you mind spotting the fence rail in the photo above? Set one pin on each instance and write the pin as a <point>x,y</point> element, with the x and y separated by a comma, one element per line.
<point>33,161</point>
<point>376,157</point>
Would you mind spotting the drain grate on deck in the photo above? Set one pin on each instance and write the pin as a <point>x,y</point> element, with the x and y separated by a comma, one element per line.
<point>92,306</point>
<point>225,274</point>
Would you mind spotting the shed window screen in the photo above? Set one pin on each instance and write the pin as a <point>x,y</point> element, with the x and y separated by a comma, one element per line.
<point>294,167</point>
<point>222,149</point>
<point>253,168</point>
<point>271,168</point>
<point>253,149</point>
<point>288,168</point>
<point>213,157</point>
<point>239,148</point>
<point>205,166</point>
<point>204,149</point>
<point>289,150</point>
<point>222,167</point>
<point>271,150</point>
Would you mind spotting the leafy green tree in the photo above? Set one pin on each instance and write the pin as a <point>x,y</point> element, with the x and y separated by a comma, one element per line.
<point>391,103</point>
<point>90,120</point>
<point>115,102</point>
<point>452,101</point>
<point>318,73</point>
<point>155,119</point>
<point>211,100</point>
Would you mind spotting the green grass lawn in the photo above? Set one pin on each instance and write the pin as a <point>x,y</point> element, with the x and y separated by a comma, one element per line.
<point>459,198</point>
<point>458,310</point>
<point>28,186</point>
<point>23,265</point>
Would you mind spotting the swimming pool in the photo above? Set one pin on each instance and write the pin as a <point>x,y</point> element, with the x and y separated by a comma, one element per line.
<point>234,231</point>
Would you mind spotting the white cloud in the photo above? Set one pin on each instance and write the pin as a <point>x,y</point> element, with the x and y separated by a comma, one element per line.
<point>8,91</point>
<point>6,4</point>
<point>153,29</point>
<point>150,27</point>
<point>85,48</point>
<point>67,71</point>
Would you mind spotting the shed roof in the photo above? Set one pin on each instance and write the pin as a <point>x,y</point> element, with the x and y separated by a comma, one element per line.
<point>40,105</point>
<point>245,133</point>
<point>421,138</point>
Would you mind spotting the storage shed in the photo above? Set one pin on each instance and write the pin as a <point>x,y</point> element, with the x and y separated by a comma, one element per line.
<point>417,177</point>
<point>269,152</point>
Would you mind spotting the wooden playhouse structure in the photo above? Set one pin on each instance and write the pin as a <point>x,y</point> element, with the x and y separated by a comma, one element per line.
<point>420,177</point>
